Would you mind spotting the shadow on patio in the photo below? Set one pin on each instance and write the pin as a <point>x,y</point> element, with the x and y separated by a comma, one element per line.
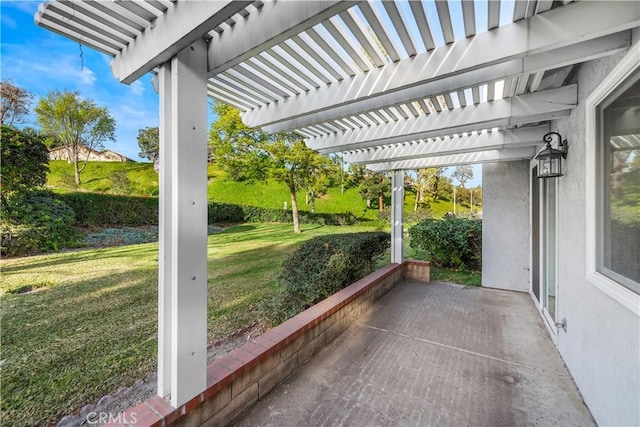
<point>432,354</point>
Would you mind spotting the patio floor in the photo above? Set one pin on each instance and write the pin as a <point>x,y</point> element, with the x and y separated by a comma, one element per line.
<point>432,354</point>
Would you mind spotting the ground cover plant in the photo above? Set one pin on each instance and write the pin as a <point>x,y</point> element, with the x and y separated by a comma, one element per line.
<point>79,325</point>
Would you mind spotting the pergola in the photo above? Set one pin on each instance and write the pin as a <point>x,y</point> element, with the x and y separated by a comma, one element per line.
<point>393,85</point>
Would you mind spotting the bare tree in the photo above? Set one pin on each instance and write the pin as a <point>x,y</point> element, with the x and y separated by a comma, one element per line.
<point>15,103</point>
<point>463,174</point>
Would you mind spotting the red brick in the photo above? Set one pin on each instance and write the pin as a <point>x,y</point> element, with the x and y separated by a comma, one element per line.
<point>231,363</point>
<point>160,405</point>
<point>256,349</point>
<point>249,360</point>
<point>219,373</point>
<point>192,404</point>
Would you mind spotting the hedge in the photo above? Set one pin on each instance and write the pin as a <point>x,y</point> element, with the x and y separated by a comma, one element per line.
<point>322,266</point>
<point>222,213</point>
<point>104,210</point>
<point>108,210</point>
<point>35,222</point>
<point>450,242</point>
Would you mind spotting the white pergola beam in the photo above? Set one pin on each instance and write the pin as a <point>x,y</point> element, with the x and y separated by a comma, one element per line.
<point>252,36</point>
<point>526,46</point>
<point>530,108</point>
<point>467,143</point>
<point>183,23</point>
<point>505,155</point>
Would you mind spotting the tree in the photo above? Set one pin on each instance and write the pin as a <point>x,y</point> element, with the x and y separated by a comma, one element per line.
<point>15,103</point>
<point>251,154</point>
<point>75,123</point>
<point>435,182</point>
<point>24,161</point>
<point>149,143</point>
<point>375,186</point>
<point>462,174</point>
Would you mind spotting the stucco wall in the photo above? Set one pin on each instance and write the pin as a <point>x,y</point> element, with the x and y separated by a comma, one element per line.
<point>602,344</point>
<point>505,225</point>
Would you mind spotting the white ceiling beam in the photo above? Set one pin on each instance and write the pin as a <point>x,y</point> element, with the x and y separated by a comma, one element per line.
<point>504,155</point>
<point>182,24</point>
<point>457,144</point>
<point>525,109</point>
<point>499,54</point>
<point>283,20</point>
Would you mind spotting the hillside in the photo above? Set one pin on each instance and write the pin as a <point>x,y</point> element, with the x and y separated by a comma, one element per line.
<point>140,179</point>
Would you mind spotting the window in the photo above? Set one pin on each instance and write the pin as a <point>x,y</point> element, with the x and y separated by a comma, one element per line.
<point>613,183</point>
<point>619,194</point>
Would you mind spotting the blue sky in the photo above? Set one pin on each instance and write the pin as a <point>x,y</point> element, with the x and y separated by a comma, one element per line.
<point>40,61</point>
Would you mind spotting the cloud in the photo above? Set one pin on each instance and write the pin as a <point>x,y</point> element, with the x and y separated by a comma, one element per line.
<point>137,88</point>
<point>8,22</point>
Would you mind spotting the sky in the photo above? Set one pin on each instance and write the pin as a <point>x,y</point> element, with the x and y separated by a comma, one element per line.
<point>41,61</point>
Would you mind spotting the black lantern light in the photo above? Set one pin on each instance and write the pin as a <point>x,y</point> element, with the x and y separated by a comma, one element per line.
<point>550,159</point>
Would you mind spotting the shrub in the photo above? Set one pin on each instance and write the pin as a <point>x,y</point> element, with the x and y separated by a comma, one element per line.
<point>450,242</point>
<point>410,217</point>
<point>103,210</point>
<point>120,182</point>
<point>24,161</point>
<point>36,222</point>
<point>322,266</point>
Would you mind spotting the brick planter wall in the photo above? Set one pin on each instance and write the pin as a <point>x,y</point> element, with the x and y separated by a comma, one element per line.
<point>238,380</point>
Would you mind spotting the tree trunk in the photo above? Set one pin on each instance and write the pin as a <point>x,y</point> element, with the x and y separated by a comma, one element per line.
<point>76,169</point>
<point>294,210</point>
<point>381,202</point>
<point>313,202</point>
<point>369,203</point>
<point>415,205</point>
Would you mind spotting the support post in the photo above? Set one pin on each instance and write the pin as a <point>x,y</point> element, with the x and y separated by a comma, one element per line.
<point>164,234</point>
<point>397,206</point>
<point>182,339</point>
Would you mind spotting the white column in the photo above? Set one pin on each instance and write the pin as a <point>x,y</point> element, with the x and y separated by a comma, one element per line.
<point>182,339</point>
<point>164,234</point>
<point>397,205</point>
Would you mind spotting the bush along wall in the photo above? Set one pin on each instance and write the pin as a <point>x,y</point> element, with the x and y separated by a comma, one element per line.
<point>450,242</point>
<point>320,267</point>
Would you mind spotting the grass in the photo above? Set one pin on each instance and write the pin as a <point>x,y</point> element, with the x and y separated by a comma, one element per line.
<point>88,327</point>
<point>440,274</point>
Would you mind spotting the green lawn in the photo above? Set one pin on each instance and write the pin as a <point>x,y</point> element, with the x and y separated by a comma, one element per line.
<point>89,326</point>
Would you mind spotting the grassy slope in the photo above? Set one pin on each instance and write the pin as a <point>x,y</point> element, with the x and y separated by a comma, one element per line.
<point>91,327</point>
<point>144,182</point>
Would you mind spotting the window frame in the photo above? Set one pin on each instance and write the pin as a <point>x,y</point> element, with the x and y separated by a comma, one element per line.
<point>617,77</point>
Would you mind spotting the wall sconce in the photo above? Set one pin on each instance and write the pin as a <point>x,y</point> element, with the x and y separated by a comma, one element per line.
<point>550,159</point>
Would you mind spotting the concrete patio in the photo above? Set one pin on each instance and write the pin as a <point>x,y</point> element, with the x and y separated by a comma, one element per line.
<point>432,354</point>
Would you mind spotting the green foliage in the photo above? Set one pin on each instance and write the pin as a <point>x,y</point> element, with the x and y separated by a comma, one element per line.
<point>94,209</point>
<point>149,143</point>
<point>24,161</point>
<point>74,122</point>
<point>36,222</point>
<point>225,213</point>
<point>322,266</point>
<point>120,182</point>
<point>409,217</point>
<point>251,154</point>
<point>375,186</point>
<point>450,242</point>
